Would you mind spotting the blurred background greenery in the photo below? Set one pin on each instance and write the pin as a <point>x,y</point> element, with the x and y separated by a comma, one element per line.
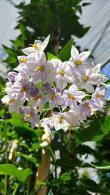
<point>80,160</point>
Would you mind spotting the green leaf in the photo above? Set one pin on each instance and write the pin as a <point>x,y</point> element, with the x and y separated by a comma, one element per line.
<point>27,157</point>
<point>12,170</point>
<point>65,177</point>
<point>106,125</point>
<point>102,167</point>
<point>84,149</point>
<point>52,154</point>
<point>85,4</point>
<point>92,132</point>
<point>11,59</point>
<point>9,51</point>
<point>22,28</point>
<point>16,120</point>
<point>35,147</point>
<point>65,53</point>
<point>18,43</point>
<point>50,56</point>
<point>107,82</point>
<point>91,185</point>
<point>22,128</point>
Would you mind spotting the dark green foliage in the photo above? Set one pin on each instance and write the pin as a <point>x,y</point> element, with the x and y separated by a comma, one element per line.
<point>41,18</point>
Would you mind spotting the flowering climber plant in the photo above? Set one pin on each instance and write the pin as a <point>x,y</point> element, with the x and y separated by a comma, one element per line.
<point>73,90</point>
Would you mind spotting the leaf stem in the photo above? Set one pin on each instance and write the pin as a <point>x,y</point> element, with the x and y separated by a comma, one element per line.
<point>5,185</point>
<point>16,188</point>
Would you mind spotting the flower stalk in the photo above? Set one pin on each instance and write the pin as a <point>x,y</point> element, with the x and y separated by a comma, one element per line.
<point>44,167</point>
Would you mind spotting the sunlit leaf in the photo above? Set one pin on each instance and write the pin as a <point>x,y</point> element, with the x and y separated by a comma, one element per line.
<point>12,170</point>
<point>65,53</point>
<point>50,56</point>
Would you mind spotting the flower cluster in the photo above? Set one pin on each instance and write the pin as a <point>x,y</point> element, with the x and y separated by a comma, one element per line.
<point>55,93</point>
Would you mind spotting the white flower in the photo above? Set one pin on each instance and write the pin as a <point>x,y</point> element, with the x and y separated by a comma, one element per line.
<point>46,122</point>
<point>8,86</point>
<point>30,114</point>
<point>86,109</point>
<point>59,122</point>
<point>78,62</point>
<point>79,59</point>
<point>88,78</point>
<point>25,59</point>
<point>72,96</point>
<point>41,69</point>
<point>62,73</point>
<point>39,85</point>
<point>12,103</point>
<point>90,173</point>
<point>72,117</point>
<point>38,102</point>
<point>98,98</point>
<point>64,120</point>
<point>37,46</point>
<point>5,99</point>
<point>99,95</point>
<point>22,59</point>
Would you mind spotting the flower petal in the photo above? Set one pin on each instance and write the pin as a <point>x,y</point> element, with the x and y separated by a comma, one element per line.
<point>83,56</point>
<point>45,42</point>
<point>74,52</point>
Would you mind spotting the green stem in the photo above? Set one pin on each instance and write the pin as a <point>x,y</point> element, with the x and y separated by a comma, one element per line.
<point>5,185</point>
<point>15,190</point>
<point>28,186</point>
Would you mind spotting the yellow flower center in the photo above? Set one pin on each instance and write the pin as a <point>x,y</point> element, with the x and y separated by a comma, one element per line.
<point>78,62</point>
<point>29,115</point>
<point>60,119</point>
<point>53,96</point>
<point>98,95</point>
<point>61,72</point>
<point>23,60</point>
<point>40,68</point>
<point>87,106</point>
<point>11,101</point>
<point>85,78</point>
<point>38,97</point>
<point>71,96</point>
<point>23,89</point>
<point>36,45</point>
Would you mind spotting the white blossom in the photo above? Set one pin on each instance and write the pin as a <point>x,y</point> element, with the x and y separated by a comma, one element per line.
<point>37,46</point>
<point>72,96</point>
<point>52,93</point>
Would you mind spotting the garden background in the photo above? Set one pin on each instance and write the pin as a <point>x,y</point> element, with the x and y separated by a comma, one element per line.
<point>80,164</point>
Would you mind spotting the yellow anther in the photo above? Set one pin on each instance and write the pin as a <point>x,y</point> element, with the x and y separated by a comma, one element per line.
<point>60,119</point>
<point>98,95</point>
<point>36,45</point>
<point>53,96</point>
<point>40,68</point>
<point>11,101</point>
<point>95,112</point>
<point>61,72</point>
<point>78,62</point>
<point>23,89</point>
<point>29,115</point>
<point>71,96</point>
<point>85,78</point>
<point>87,106</point>
<point>23,60</point>
<point>38,97</point>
